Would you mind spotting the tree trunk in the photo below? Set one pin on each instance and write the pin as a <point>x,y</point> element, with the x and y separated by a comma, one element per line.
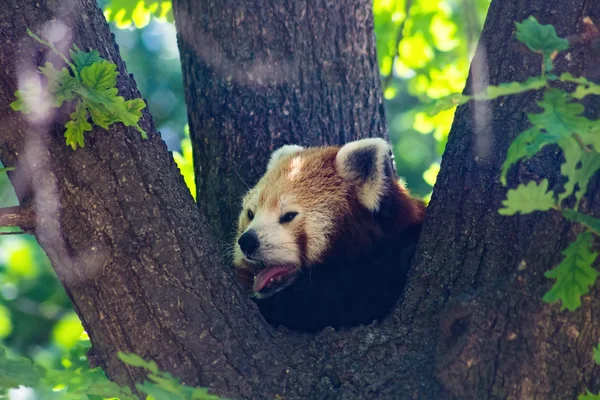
<point>261,74</point>
<point>139,264</point>
<point>501,341</point>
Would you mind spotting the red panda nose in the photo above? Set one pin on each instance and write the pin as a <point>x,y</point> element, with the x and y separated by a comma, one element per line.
<point>249,242</point>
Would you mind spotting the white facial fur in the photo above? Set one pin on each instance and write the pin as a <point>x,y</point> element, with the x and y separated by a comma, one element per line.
<point>282,152</point>
<point>278,242</point>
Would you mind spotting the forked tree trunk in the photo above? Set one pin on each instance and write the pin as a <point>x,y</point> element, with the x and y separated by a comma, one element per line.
<point>138,261</point>
<point>261,74</point>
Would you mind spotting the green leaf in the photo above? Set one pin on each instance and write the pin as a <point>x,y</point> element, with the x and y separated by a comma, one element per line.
<point>446,103</point>
<point>589,396</point>
<point>91,81</point>
<point>28,95</point>
<point>77,126</point>
<point>101,75</point>
<point>596,354</point>
<point>19,103</point>
<point>124,13</point>
<point>541,39</point>
<point>579,167</point>
<point>60,83</point>
<point>107,107</point>
<point>574,275</point>
<point>560,116</point>
<point>508,88</point>
<point>136,361</point>
<point>528,198</point>
<point>6,169</point>
<point>584,88</point>
<point>18,371</point>
<point>83,59</point>
<point>587,220</point>
<point>521,148</point>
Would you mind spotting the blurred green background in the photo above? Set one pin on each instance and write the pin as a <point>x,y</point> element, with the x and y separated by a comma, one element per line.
<point>423,56</point>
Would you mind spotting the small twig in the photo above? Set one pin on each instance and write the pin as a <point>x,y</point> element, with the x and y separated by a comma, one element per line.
<point>388,79</point>
<point>13,233</point>
<point>23,217</point>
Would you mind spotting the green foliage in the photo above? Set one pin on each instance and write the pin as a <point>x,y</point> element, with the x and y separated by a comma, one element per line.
<point>185,162</point>
<point>125,13</point>
<point>75,380</point>
<point>491,92</point>
<point>541,39</point>
<point>17,371</point>
<point>589,396</point>
<point>596,354</point>
<point>162,385</point>
<point>90,81</point>
<point>528,198</point>
<point>561,122</point>
<point>574,275</point>
<point>424,50</point>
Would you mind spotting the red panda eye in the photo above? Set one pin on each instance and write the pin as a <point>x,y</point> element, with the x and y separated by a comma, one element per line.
<point>250,215</point>
<point>287,217</point>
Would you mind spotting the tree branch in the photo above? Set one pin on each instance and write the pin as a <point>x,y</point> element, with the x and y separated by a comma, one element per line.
<point>388,79</point>
<point>21,216</point>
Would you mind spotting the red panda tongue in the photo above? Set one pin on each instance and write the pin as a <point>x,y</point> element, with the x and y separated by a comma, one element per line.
<point>263,278</point>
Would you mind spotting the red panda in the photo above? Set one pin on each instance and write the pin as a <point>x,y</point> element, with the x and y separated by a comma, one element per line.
<point>327,235</point>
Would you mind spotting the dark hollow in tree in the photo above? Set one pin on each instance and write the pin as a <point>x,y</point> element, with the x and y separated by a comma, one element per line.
<point>137,259</point>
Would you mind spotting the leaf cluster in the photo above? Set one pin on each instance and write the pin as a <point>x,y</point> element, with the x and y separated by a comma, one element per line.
<point>561,122</point>
<point>162,385</point>
<point>90,82</point>
<point>125,13</point>
<point>77,381</point>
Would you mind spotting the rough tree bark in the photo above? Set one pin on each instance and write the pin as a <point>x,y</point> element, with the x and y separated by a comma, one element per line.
<point>262,74</point>
<point>137,258</point>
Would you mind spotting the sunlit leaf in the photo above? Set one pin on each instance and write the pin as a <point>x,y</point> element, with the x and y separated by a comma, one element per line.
<point>585,87</point>
<point>67,331</point>
<point>20,259</point>
<point>415,51</point>
<point>185,163</point>
<point>528,198</point>
<point>6,325</point>
<point>574,275</point>
<point>508,88</point>
<point>101,75</point>
<point>431,174</point>
<point>77,126</point>
<point>125,13</point>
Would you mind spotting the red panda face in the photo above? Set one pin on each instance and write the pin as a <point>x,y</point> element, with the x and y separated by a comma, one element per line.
<point>290,218</point>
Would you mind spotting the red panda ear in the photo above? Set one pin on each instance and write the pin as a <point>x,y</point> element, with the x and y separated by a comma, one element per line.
<point>366,162</point>
<point>281,152</point>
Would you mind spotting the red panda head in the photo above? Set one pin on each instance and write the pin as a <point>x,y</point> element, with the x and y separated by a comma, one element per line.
<point>307,199</point>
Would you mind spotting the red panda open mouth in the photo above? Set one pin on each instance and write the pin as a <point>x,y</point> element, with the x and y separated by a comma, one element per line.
<point>272,279</point>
